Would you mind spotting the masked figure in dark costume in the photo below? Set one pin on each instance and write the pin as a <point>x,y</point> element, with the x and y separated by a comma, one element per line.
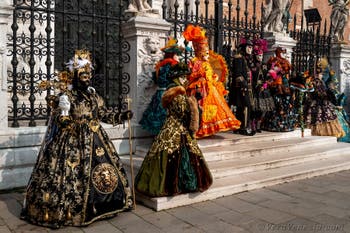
<point>175,164</point>
<point>241,92</point>
<point>78,177</point>
<point>263,101</point>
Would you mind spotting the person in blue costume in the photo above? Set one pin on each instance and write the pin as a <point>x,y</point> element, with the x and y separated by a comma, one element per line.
<point>154,116</point>
<point>339,101</point>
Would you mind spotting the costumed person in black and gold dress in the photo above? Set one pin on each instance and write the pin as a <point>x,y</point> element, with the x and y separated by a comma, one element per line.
<point>154,115</point>
<point>174,164</point>
<point>78,177</point>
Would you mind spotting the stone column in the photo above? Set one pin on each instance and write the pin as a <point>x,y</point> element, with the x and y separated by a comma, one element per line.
<point>5,13</point>
<point>145,35</point>
<point>340,62</point>
<point>275,39</point>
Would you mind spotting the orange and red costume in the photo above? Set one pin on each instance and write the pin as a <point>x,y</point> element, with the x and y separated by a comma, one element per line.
<point>209,71</point>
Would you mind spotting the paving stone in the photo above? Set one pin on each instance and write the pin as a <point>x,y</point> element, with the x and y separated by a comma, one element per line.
<point>335,211</point>
<point>2,222</point>
<point>190,215</point>
<point>4,229</point>
<point>210,207</point>
<point>316,181</point>
<point>142,210</point>
<point>295,207</point>
<point>219,227</point>
<point>270,215</point>
<point>330,221</point>
<point>288,188</point>
<point>130,222</point>
<point>337,195</point>
<point>295,225</point>
<point>25,227</point>
<point>255,226</point>
<point>271,194</point>
<point>69,230</point>
<point>165,220</point>
<point>315,189</point>
<point>101,227</point>
<point>190,229</point>
<point>233,203</point>
<point>234,218</point>
<point>10,208</point>
<point>340,188</point>
<point>251,197</point>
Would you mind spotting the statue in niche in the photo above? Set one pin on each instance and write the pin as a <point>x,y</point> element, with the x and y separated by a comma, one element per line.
<point>138,6</point>
<point>339,18</point>
<point>273,13</point>
<point>150,55</point>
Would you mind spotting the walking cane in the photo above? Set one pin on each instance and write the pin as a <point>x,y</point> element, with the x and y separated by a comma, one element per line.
<point>129,100</point>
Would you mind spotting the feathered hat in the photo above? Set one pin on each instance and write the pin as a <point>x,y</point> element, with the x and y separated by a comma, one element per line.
<point>172,47</point>
<point>259,46</point>
<point>197,36</point>
<point>80,63</point>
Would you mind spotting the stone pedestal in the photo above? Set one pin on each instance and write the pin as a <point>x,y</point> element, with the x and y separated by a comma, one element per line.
<point>145,35</point>
<point>275,39</point>
<point>340,62</point>
<point>5,13</point>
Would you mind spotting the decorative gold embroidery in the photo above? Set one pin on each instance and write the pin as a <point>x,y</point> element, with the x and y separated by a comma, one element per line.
<point>100,151</point>
<point>105,178</point>
<point>94,125</point>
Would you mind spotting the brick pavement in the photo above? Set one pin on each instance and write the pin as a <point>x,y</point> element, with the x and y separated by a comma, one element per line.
<point>320,204</point>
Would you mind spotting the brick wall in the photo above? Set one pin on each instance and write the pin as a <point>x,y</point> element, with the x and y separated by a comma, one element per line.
<point>296,9</point>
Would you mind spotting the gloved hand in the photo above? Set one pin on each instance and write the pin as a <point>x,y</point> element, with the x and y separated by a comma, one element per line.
<point>64,105</point>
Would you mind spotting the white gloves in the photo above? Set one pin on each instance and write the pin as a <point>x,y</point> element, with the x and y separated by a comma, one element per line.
<point>64,105</point>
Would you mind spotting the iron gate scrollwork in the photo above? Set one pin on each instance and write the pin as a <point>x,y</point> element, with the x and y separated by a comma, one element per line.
<point>226,22</point>
<point>45,35</point>
<point>312,44</point>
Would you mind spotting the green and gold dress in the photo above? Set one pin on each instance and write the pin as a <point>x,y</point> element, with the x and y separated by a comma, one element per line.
<point>175,164</point>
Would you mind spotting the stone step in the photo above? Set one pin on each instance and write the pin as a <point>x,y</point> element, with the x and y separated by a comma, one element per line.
<point>219,153</point>
<point>235,159</point>
<point>225,168</point>
<point>245,158</point>
<point>228,138</point>
<point>253,180</point>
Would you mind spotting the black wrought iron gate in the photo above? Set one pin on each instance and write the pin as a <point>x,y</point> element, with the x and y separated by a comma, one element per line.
<point>44,37</point>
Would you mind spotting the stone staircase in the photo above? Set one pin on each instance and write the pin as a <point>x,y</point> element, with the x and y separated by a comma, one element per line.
<point>240,163</point>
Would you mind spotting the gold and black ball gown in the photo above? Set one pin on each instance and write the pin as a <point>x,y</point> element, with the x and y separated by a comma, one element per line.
<point>175,164</point>
<point>78,177</point>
